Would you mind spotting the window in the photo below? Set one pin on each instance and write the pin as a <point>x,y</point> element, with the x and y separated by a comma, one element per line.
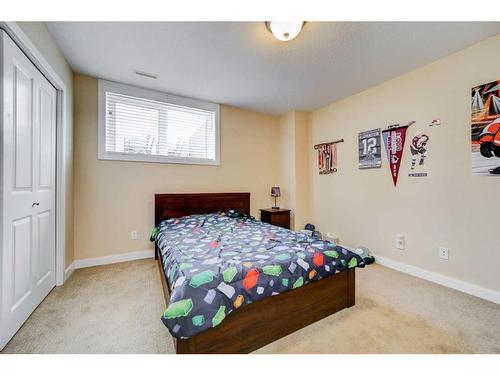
<point>142,125</point>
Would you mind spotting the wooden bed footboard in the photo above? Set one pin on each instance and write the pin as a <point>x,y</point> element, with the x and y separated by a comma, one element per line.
<point>272,318</point>
<point>262,322</point>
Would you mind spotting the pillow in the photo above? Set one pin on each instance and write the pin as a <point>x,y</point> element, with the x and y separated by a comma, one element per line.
<point>234,214</point>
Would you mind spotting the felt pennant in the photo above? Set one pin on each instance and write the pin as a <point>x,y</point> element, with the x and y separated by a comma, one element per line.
<point>394,140</point>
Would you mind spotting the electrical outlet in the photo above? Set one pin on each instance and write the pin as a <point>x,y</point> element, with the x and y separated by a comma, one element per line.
<point>133,235</point>
<point>443,253</point>
<point>399,242</point>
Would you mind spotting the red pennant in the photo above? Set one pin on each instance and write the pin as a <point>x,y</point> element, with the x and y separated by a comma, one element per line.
<point>394,140</point>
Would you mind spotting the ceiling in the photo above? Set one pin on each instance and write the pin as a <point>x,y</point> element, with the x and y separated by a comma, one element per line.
<point>241,64</point>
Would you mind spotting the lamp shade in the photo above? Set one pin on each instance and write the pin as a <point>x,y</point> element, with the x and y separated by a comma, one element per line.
<point>275,191</point>
<point>285,31</point>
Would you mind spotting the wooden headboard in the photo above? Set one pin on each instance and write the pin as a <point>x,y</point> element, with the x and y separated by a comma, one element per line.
<point>182,204</point>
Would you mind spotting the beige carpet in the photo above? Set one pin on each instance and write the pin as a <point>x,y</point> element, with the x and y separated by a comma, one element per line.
<point>107,309</point>
<point>116,309</point>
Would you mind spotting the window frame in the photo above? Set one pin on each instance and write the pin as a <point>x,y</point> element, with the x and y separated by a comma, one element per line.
<point>119,88</point>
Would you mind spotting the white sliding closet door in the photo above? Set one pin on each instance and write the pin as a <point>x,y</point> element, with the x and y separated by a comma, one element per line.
<point>28,157</point>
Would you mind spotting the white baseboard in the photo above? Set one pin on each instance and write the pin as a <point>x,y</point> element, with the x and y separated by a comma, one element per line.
<point>472,289</point>
<point>69,271</point>
<point>90,262</point>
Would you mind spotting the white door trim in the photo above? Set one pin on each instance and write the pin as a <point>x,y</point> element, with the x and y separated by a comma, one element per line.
<point>36,57</point>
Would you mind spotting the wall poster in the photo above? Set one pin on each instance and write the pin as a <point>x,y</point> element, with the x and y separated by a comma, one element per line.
<point>485,129</point>
<point>418,149</point>
<point>369,146</point>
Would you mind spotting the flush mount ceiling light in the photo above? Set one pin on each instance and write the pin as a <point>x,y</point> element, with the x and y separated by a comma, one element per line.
<point>284,30</point>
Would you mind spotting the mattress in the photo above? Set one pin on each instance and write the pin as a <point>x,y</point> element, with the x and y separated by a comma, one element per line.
<point>217,263</point>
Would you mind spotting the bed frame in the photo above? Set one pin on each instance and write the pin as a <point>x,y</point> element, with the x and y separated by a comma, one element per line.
<point>262,322</point>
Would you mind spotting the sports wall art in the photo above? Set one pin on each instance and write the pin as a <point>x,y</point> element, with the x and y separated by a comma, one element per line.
<point>369,147</point>
<point>394,140</point>
<point>418,149</point>
<point>327,156</point>
<point>485,129</point>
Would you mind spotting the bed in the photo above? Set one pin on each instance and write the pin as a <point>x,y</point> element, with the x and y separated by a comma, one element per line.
<point>254,306</point>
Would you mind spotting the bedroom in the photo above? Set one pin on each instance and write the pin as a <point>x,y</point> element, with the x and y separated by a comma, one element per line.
<point>163,200</point>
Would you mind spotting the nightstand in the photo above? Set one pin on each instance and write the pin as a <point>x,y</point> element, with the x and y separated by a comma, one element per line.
<point>276,216</point>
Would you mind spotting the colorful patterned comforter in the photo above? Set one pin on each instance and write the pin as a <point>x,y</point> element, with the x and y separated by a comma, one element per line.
<point>216,264</point>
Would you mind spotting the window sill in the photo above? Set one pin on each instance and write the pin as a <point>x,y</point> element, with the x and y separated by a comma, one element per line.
<point>112,156</point>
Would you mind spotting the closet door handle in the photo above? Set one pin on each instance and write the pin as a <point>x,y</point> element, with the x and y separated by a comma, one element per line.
<point>35,204</point>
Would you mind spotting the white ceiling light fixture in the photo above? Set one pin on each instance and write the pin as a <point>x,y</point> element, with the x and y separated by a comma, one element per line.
<point>284,31</point>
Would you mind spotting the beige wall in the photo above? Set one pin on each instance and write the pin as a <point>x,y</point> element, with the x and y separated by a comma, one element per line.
<point>295,166</point>
<point>448,208</point>
<point>302,169</point>
<point>113,198</point>
<point>287,164</point>
<point>362,206</point>
<point>39,35</point>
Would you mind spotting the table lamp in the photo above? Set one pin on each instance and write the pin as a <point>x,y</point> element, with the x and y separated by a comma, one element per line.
<point>275,192</point>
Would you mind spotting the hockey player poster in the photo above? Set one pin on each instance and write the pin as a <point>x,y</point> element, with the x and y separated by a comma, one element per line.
<point>418,149</point>
<point>369,147</point>
<point>394,140</point>
<point>485,129</point>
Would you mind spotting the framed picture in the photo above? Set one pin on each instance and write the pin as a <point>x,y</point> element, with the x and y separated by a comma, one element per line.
<point>369,146</point>
<point>485,129</point>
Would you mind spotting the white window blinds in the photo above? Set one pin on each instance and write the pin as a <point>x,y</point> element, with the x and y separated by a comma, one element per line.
<point>142,129</point>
